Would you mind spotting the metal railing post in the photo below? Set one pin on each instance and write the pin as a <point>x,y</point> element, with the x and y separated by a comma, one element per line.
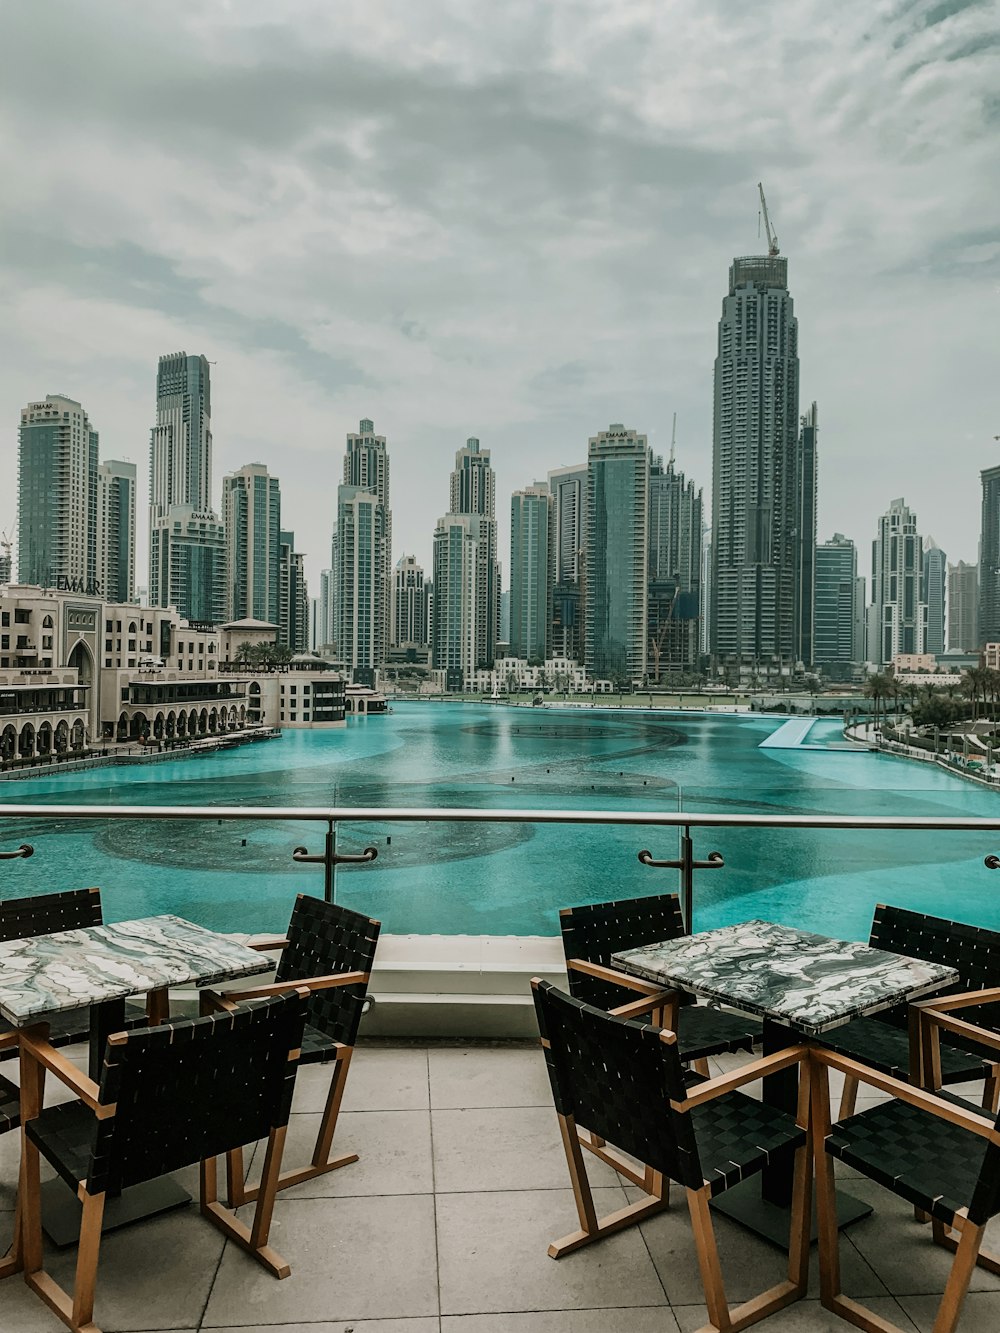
<point>687,865</point>
<point>330,859</point>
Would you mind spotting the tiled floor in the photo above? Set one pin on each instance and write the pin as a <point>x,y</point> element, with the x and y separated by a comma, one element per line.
<point>442,1227</point>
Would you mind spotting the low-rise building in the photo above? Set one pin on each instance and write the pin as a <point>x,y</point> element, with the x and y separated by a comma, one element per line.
<point>43,716</point>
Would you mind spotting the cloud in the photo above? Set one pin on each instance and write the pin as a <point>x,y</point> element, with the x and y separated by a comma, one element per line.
<point>507,221</point>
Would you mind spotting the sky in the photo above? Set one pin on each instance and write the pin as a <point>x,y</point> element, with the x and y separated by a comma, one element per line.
<point>511,221</point>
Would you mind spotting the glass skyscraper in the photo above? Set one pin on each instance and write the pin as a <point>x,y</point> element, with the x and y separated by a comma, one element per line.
<point>57,496</point>
<point>251,514</point>
<point>531,572</point>
<point>617,554</point>
<point>934,591</point>
<point>755,511</point>
<point>837,639</point>
<point>116,530</point>
<point>362,568</point>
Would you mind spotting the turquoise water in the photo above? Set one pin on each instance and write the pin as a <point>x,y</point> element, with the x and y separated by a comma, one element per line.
<point>492,879</point>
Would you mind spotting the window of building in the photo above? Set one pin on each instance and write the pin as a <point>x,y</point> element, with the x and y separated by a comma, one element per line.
<point>21,616</point>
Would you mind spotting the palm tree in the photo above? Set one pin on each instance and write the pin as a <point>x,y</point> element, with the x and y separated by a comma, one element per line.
<point>875,688</point>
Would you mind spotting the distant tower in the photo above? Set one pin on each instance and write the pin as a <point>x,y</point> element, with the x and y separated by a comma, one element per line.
<point>935,580</point>
<point>57,494</point>
<point>755,511</point>
<point>362,555</point>
<point>896,613</point>
<point>568,486</point>
<point>251,514</point>
<point>531,572</point>
<point>293,595</point>
<point>675,569</point>
<point>963,608</point>
<point>187,543</point>
<point>989,558</point>
<point>472,491</point>
<point>410,612</point>
<point>116,530</point>
<point>837,643</point>
<point>464,572</point>
<point>805,538</point>
<point>617,554</point>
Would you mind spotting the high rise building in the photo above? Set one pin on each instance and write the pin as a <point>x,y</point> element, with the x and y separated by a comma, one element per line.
<point>464,571</point>
<point>675,567</point>
<point>896,612</point>
<point>362,555</point>
<point>531,568</point>
<point>837,640</point>
<point>805,537</point>
<point>116,530</point>
<point>293,595</point>
<point>935,577</point>
<point>5,564</point>
<point>325,619</point>
<point>963,608</point>
<point>57,496</point>
<point>568,486</point>
<point>617,554</point>
<point>472,490</point>
<point>410,611</point>
<point>251,515</point>
<point>187,545</point>
<point>755,510</point>
<point>989,558</point>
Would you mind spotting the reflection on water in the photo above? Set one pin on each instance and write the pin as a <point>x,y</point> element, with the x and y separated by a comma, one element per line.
<point>511,879</point>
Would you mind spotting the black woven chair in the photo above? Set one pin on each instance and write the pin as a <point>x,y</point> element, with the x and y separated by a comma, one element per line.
<point>169,1096</point>
<point>10,1118</point>
<point>591,934</point>
<point>624,1080</point>
<point>939,1153</point>
<point>47,914</point>
<point>883,1042</point>
<point>330,950</point>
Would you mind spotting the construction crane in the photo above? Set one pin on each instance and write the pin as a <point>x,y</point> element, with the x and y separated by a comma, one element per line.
<point>772,240</point>
<point>6,548</point>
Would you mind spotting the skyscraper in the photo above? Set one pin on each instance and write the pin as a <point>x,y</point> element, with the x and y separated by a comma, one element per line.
<point>187,546</point>
<point>362,555</point>
<point>464,568</point>
<point>896,613</point>
<point>675,560</point>
<point>989,558</point>
<point>617,554</point>
<point>251,515</point>
<point>963,608</point>
<point>934,581</point>
<point>293,595</point>
<point>754,501</point>
<point>116,530</point>
<point>472,491</point>
<point>409,605</point>
<point>568,486</point>
<point>837,641</point>
<point>531,567</point>
<point>57,495</point>
<point>805,537</point>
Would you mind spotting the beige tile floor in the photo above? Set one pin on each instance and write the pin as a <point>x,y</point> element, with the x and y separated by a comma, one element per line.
<point>442,1227</point>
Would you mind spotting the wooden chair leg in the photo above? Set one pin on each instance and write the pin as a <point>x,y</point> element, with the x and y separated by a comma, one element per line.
<point>253,1240</point>
<point>235,1179</point>
<point>942,1235</point>
<point>991,1090</point>
<point>86,1260</point>
<point>700,1066</point>
<point>591,1227</point>
<point>966,1254</point>
<point>849,1098</point>
<point>708,1260</point>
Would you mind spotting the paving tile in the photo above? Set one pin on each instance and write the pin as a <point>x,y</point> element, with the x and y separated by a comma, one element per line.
<point>513,1148</point>
<point>21,1311</point>
<point>137,1286</point>
<point>380,1079</point>
<point>901,1251</point>
<point>749,1264</point>
<point>428,1324</point>
<point>655,1319</point>
<point>980,1313</point>
<point>394,1149</point>
<point>351,1259</point>
<point>499,1076</point>
<point>806,1316</point>
<point>492,1256</point>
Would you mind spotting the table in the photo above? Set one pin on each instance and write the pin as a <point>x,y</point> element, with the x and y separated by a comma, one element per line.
<point>101,966</point>
<point>802,985</point>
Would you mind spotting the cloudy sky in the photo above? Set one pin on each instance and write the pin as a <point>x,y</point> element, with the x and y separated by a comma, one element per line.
<point>462,217</point>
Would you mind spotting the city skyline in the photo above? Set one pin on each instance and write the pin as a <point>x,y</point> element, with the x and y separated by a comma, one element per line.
<point>483,256</point>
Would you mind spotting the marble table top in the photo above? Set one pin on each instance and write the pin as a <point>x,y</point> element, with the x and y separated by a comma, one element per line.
<point>811,982</point>
<point>50,973</point>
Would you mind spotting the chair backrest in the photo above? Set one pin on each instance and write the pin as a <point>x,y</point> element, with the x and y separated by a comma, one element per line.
<point>322,939</point>
<point>973,951</point>
<point>48,913</point>
<point>598,930</point>
<point>616,1077</point>
<point>195,1088</point>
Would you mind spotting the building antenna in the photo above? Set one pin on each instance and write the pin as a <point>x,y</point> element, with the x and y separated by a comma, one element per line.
<point>772,240</point>
<point>673,441</point>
